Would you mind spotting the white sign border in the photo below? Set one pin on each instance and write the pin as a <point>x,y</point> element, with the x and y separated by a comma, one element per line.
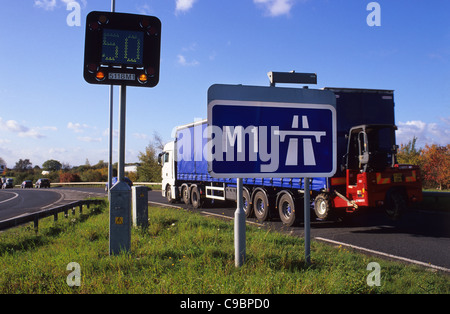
<point>252,175</point>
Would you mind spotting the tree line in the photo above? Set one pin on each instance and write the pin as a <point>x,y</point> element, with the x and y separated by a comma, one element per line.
<point>434,162</point>
<point>148,169</point>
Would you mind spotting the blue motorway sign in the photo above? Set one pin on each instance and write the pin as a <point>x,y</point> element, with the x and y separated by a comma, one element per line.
<point>260,138</point>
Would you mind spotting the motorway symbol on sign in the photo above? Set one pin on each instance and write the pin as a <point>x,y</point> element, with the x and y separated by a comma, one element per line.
<point>255,139</point>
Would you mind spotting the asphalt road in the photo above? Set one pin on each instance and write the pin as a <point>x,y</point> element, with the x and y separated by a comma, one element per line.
<point>15,202</point>
<point>420,236</point>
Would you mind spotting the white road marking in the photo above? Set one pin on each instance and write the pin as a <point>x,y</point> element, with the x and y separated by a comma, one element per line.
<point>384,254</point>
<point>10,199</point>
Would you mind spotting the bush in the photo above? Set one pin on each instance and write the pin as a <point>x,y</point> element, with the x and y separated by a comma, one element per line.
<point>66,177</point>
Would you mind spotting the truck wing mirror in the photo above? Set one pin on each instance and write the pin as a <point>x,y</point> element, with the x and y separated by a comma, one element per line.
<point>364,158</point>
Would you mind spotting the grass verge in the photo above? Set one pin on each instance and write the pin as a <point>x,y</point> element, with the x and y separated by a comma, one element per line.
<point>183,252</point>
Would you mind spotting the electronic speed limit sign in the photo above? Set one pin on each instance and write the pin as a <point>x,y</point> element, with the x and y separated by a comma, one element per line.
<point>122,49</point>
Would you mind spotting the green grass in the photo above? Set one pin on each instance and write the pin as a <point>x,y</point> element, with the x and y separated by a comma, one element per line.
<point>184,252</point>
<point>434,201</point>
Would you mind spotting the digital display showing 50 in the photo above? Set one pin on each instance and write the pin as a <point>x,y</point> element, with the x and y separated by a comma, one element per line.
<point>122,47</point>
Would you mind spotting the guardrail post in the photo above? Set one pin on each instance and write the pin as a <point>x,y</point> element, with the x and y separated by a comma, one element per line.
<point>36,224</point>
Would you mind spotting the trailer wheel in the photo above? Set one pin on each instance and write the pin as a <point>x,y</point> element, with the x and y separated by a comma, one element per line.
<point>322,206</point>
<point>261,206</point>
<point>248,208</point>
<point>195,197</point>
<point>185,194</point>
<point>287,210</point>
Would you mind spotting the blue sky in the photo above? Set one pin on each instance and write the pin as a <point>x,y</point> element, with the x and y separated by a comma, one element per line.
<point>48,111</point>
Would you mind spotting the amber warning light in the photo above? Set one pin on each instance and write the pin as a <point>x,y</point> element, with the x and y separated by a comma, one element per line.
<point>122,49</point>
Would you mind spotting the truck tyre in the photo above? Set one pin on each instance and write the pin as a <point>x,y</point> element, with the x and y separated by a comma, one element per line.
<point>322,206</point>
<point>185,195</point>
<point>261,206</point>
<point>248,208</point>
<point>169,195</point>
<point>395,204</point>
<point>287,210</point>
<point>196,199</point>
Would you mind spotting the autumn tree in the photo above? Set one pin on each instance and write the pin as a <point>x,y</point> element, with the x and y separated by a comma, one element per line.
<point>409,154</point>
<point>149,169</point>
<point>436,165</point>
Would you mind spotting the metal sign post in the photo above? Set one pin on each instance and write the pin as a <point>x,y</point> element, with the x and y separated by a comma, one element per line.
<point>111,94</point>
<point>239,227</point>
<point>307,218</point>
<point>120,200</point>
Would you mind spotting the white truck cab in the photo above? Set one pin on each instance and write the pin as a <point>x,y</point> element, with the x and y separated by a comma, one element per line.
<point>166,160</point>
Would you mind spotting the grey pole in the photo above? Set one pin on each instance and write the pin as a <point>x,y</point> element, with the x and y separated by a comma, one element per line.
<point>239,227</point>
<point>111,92</point>
<point>307,222</point>
<point>122,123</point>
<point>120,193</point>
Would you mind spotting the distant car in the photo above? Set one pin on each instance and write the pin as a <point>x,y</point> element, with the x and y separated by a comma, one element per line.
<point>42,183</point>
<point>114,181</point>
<point>26,184</point>
<point>8,184</point>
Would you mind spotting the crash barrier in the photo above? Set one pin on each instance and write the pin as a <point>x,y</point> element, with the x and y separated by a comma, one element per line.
<point>34,217</point>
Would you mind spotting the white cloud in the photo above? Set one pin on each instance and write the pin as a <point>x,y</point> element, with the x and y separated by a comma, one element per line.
<point>50,5</point>
<point>144,9</point>
<point>276,7</point>
<point>141,136</point>
<point>31,133</point>
<point>182,61</point>
<point>77,127</point>
<point>13,126</point>
<point>184,5</point>
<point>89,139</point>
<point>23,131</point>
<point>426,133</point>
<point>47,5</point>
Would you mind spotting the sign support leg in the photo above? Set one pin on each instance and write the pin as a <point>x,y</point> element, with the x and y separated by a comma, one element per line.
<point>239,227</point>
<point>120,194</point>
<point>307,219</point>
